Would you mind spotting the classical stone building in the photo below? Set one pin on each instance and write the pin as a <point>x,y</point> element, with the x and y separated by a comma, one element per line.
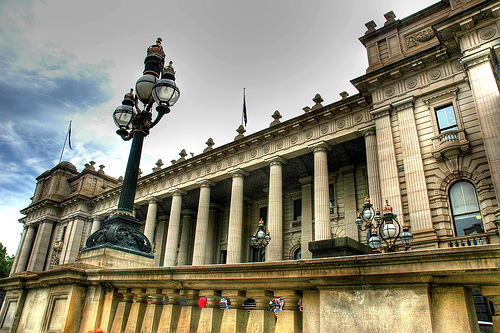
<point>422,133</point>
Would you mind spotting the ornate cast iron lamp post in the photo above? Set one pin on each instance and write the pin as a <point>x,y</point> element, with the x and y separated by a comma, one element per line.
<point>387,226</point>
<point>260,239</point>
<point>157,85</point>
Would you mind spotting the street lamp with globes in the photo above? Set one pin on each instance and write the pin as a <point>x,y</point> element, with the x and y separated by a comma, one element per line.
<point>157,85</point>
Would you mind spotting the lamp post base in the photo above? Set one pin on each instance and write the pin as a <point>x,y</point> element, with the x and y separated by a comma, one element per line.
<point>120,233</point>
<point>337,247</point>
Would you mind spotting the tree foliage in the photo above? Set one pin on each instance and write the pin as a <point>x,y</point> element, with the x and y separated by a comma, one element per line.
<point>5,262</point>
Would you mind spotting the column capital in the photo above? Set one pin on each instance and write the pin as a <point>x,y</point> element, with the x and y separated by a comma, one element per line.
<point>404,104</point>
<point>367,131</point>
<point>177,192</point>
<point>477,58</point>
<point>237,172</point>
<point>275,160</point>
<point>381,111</point>
<point>205,183</point>
<point>319,146</point>
<point>152,199</point>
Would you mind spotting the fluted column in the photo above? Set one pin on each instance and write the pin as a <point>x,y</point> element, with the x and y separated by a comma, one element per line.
<point>484,87</point>
<point>200,238</point>
<point>235,232</point>
<point>306,235</point>
<point>372,168</point>
<point>149,228</point>
<point>25,251</point>
<point>210,247</point>
<point>184,246</point>
<point>41,246</point>
<point>321,193</point>
<point>173,229</point>
<point>274,250</point>
<point>96,224</point>
<point>73,240</point>
<point>419,209</point>
<point>351,229</point>
<point>388,169</point>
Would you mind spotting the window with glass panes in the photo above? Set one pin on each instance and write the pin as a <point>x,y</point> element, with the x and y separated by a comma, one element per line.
<point>445,116</point>
<point>467,218</point>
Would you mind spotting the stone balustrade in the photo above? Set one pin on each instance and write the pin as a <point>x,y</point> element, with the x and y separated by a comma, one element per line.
<point>410,290</point>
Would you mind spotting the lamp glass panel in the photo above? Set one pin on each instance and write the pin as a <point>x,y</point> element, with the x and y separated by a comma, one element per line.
<point>144,87</point>
<point>390,230</point>
<point>166,92</point>
<point>123,115</point>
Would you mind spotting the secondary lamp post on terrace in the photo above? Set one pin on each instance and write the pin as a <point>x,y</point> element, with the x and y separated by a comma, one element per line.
<point>384,227</point>
<point>157,85</point>
<point>260,239</point>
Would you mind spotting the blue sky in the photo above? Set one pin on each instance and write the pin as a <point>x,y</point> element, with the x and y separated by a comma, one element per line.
<point>63,60</point>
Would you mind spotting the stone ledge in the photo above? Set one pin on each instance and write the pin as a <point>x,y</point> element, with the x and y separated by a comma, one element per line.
<point>111,258</point>
<point>337,247</point>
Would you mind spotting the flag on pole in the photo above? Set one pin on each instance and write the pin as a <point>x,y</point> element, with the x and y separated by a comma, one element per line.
<point>69,135</point>
<point>244,108</point>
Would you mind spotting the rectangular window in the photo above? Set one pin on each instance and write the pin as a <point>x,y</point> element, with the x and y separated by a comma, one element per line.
<point>297,210</point>
<point>263,214</point>
<point>331,189</point>
<point>446,118</point>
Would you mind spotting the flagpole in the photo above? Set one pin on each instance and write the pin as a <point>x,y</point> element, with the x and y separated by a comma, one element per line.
<point>65,140</point>
<point>244,112</point>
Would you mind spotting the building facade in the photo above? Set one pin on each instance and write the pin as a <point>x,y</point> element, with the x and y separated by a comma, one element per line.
<point>422,133</point>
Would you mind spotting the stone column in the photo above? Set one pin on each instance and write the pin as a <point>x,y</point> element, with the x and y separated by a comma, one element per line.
<point>372,168</point>
<point>463,318</point>
<point>137,311</point>
<point>487,101</point>
<point>185,244</point>
<point>170,312</point>
<point>200,238</point>
<point>210,247</point>
<point>274,250</point>
<point>306,235</point>
<point>321,193</point>
<point>96,224</point>
<point>41,246</point>
<point>260,319</point>
<point>389,179</point>
<point>190,314</point>
<point>235,318</point>
<point>289,319</point>
<point>122,311</point>
<point>24,252</point>
<point>149,228</point>
<point>351,228</point>
<point>73,240</point>
<point>235,232</point>
<point>152,316</point>
<point>173,229</point>
<point>211,315</point>
<point>416,186</point>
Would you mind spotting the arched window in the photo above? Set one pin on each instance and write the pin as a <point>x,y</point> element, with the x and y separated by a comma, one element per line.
<point>467,218</point>
<point>297,254</point>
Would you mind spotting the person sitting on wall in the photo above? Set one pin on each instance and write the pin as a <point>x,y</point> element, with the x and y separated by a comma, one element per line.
<point>202,302</point>
<point>225,303</point>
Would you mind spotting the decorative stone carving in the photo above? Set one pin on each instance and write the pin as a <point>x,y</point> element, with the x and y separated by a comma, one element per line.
<point>209,143</point>
<point>318,100</point>
<point>240,130</point>
<point>276,116</point>
<point>159,164</point>
<point>419,38</point>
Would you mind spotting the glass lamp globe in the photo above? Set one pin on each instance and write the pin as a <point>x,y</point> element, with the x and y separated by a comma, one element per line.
<point>374,242</point>
<point>367,214</point>
<point>390,230</point>
<point>123,116</point>
<point>165,94</point>
<point>406,236</point>
<point>144,87</point>
<point>267,238</point>
<point>261,234</point>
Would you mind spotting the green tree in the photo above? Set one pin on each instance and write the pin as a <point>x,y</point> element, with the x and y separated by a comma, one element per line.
<point>5,262</point>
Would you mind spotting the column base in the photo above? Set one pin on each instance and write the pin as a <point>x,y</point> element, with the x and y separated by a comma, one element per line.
<point>337,247</point>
